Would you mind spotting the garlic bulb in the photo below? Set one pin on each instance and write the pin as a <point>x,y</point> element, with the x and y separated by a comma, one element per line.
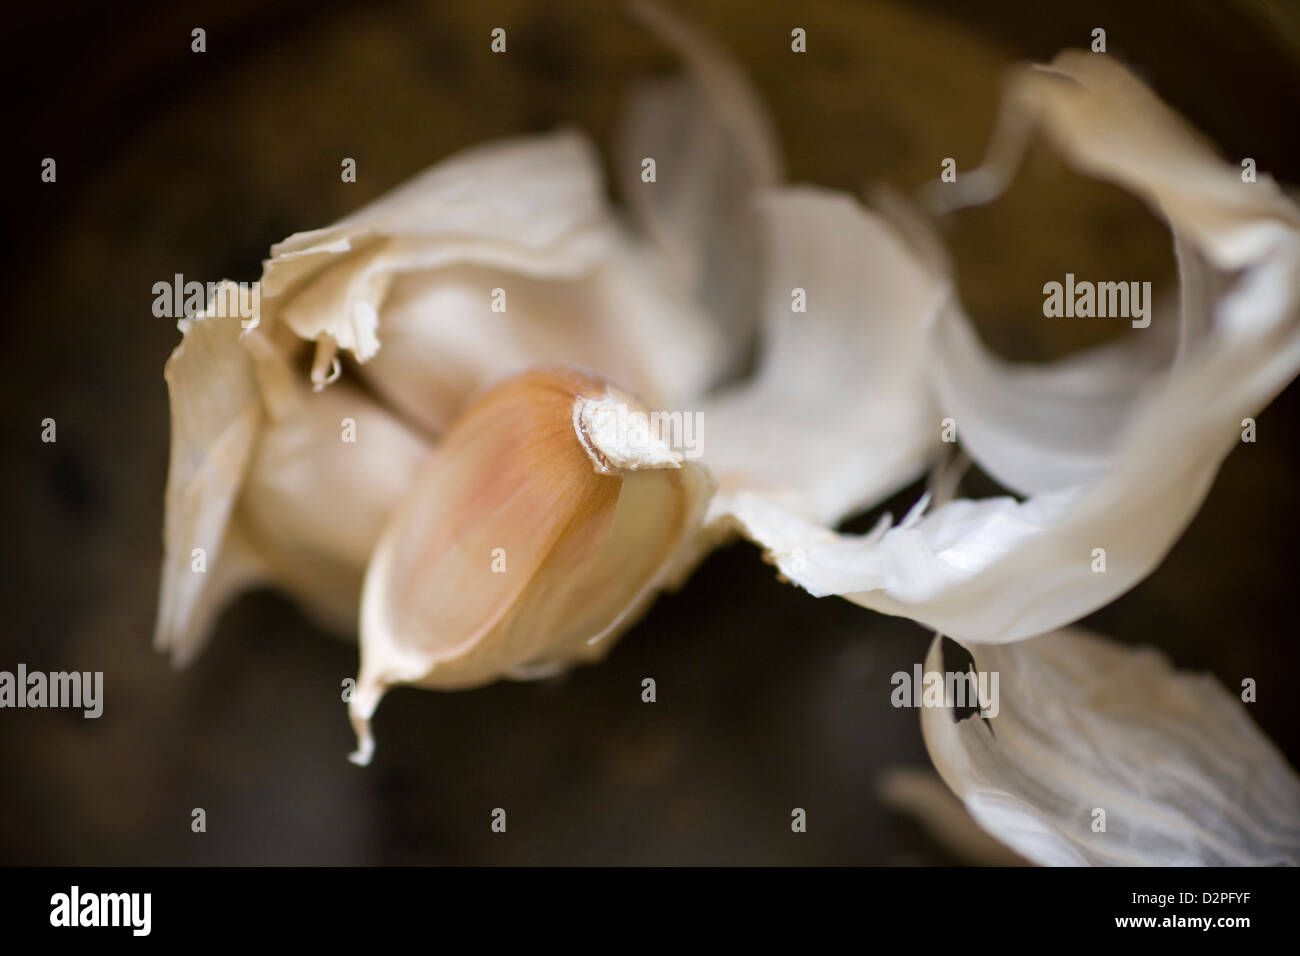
<point>516,532</point>
<point>540,525</point>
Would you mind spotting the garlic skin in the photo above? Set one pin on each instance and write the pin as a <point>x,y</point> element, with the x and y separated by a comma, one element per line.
<point>1114,448</point>
<point>1189,778</point>
<point>502,257</point>
<point>533,534</point>
<point>216,416</point>
<point>263,487</point>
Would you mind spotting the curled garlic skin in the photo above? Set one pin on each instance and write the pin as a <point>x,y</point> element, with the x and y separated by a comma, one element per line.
<point>536,530</point>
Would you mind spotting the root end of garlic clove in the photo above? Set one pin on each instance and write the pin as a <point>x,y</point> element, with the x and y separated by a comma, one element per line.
<point>618,436</point>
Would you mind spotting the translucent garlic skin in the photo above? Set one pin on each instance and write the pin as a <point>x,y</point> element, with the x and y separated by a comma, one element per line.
<point>527,541</point>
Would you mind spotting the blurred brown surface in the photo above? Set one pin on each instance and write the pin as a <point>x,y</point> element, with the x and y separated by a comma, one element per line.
<point>768,699</point>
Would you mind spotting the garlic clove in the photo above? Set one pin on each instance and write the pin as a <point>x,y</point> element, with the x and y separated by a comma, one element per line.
<point>269,483</point>
<point>323,479</point>
<point>531,536</point>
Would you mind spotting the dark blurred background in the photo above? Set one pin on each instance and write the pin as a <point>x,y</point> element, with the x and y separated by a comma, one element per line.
<point>170,161</point>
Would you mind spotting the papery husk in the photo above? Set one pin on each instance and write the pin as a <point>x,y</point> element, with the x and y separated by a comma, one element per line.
<point>531,205</point>
<point>216,415</point>
<point>262,481</point>
<point>1182,775</point>
<point>421,268</point>
<point>445,342</point>
<point>1135,451</point>
<point>715,150</point>
<point>838,415</point>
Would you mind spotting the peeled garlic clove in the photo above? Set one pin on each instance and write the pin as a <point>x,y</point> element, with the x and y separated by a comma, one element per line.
<point>543,523</point>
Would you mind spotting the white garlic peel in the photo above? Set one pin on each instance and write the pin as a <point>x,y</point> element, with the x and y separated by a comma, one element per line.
<point>1188,778</point>
<point>216,416</point>
<point>258,468</point>
<point>533,534</point>
<point>1129,447</point>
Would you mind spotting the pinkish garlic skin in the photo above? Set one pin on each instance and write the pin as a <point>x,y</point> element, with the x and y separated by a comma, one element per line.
<point>558,473</point>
